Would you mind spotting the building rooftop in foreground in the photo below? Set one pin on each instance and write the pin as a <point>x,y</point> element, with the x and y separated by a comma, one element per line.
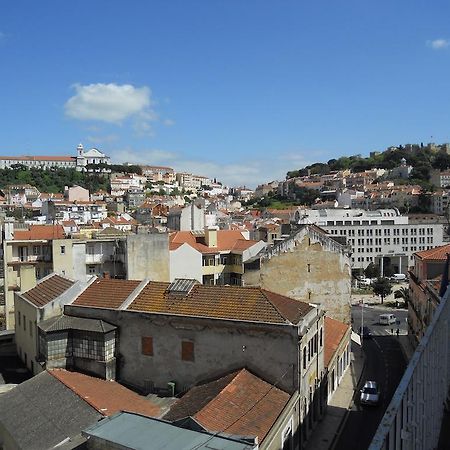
<point>133,431</point>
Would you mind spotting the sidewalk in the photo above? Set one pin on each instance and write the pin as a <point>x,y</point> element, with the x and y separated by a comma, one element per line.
<point>327,432</point>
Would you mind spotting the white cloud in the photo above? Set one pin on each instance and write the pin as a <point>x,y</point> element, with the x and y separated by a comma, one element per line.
<point>111,103</point>
<point>103,139</point>
<point>438,44</point>
<point>168,122</point>
<point>151,156</point>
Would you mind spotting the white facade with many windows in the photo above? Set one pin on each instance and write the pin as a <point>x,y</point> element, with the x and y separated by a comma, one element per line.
<point>382,236</point>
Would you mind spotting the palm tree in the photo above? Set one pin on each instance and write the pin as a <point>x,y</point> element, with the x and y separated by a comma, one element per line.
<point>402,293</point>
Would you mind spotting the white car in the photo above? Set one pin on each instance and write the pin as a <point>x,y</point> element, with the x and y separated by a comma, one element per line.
<point>370,393</point>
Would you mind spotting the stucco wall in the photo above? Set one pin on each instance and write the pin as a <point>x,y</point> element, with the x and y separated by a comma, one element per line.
<point>186,262</point>
<point>26,342</point>
<point>147,256</point>
<point>219,346</point>
<point>308,271</point>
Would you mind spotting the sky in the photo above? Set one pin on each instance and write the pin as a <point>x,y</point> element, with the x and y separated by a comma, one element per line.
<point>238,90</point>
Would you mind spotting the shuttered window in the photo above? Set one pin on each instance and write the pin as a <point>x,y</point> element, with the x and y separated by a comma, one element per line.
<point>187,351</point>
<point>147,345</point>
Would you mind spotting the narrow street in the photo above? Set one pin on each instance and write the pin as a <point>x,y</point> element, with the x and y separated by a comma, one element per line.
<point>385,364</point>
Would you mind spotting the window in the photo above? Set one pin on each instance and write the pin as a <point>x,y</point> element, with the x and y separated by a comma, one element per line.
<point>309,267</point>
<point>24,322</point>
<point>304,358</point>
<point>63,249</point>
<point>147,345</point>
<point>31,328</point>
<point>18,317</point>
<point>187,351</point>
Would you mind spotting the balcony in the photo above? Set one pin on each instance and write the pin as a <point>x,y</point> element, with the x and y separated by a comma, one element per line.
<point>30,259</point>
<point>96,258</point>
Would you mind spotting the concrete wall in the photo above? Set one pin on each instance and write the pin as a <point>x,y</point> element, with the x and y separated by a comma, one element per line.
<point>309,269</point>
<point>26,340</point>
<point>270,351</point>
<point>186,262</point>
<point>147,256</point>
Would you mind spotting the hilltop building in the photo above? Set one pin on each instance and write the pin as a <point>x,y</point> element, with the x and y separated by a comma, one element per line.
<point>79,162</point>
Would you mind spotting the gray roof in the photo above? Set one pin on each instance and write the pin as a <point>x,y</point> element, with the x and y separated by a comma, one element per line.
<point>134,431</point>
<point>42,412</point>
<point>62,323</point>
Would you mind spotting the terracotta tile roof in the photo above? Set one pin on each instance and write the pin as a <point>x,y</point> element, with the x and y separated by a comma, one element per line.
<point>226,241</point>
<point>106,293</point>
<point>221,302</point>
<point>107,397</point>
<point>48,232</point>
<point>238,404</point>
<point>39,158</point>
<point>47,290</point>
<point>334,333</point>
<point>435,254</point>
<point>69,223</point>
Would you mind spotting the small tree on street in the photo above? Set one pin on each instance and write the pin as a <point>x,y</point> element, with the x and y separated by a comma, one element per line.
<point>372,271</point>
<point>382,287</point>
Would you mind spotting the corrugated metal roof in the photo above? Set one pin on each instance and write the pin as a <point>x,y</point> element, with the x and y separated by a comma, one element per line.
<point>136,432</point>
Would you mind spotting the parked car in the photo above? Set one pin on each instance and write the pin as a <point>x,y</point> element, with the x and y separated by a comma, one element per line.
<point>370,393</point>
<point>397,277</point>
<point>363,282</point>
<point>387,319</point>
<point>365,332</point>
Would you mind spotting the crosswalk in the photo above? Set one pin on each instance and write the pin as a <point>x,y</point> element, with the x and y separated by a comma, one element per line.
<point>387,332</point>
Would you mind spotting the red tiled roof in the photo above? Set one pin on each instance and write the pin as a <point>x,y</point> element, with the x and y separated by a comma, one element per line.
<point>334,333</point>
<point>38,158</point>
<point>107,397</point>
<point>106,293</point>
<point>48,232</point>
<point>435,254</point>
<point>227,240</point>
<point>239,404</point>
<point>221,302</point>
<point>47,290</point>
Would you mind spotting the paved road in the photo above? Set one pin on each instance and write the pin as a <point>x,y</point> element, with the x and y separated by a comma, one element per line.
<point>370,315</point>
<point>385,364</point>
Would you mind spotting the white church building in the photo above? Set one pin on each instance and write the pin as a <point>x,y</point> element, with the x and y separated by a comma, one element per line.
<point>79,162</point>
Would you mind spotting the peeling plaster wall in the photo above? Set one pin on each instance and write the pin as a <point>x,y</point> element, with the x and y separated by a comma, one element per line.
<point>310,268</point>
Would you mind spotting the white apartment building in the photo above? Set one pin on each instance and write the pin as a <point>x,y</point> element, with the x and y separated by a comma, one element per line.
<point>382,237</point>
<point>440,202</point>
<point>120,184</point>
<point>189,181</point>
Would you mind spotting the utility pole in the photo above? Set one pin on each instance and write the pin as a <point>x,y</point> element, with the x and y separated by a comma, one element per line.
<point>362,321</point>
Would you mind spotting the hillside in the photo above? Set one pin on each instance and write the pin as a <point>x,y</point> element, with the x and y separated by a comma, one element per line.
<point>422,158</point>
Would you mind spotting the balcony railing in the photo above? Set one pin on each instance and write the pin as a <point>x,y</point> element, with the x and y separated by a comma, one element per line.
<point>31,258</point>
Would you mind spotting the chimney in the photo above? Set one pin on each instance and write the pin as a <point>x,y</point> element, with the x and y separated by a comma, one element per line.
<point>211,236</point>
<point>106,275</point>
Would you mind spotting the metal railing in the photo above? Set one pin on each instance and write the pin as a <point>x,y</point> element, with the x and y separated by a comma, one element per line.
<point>413,418</point>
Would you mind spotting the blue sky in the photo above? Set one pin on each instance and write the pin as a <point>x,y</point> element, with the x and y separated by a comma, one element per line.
<point>240,90</point>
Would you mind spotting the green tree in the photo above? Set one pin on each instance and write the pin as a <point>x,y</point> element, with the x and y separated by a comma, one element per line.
<point>372,271</point>
<point>402,293</point>
<point>382,287</point>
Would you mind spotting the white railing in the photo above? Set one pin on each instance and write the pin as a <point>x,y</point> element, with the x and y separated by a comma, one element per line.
<point>414,416</point>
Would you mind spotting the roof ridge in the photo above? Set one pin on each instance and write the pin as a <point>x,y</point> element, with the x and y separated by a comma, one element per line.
<point>74,390</point>
<point>263,291</point>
